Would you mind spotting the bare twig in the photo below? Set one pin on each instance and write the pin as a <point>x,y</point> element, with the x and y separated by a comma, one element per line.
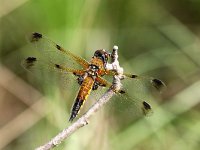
<point>82,121</point>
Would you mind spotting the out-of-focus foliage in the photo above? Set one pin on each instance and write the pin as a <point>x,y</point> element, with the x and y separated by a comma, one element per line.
<point>155,38</point>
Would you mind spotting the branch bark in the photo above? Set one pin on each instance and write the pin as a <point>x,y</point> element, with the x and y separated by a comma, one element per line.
<point>82,121</point>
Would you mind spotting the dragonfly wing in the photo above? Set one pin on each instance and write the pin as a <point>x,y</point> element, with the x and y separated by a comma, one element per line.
<point>33,63</point>
<point>124,106</point>
<point>134,103</point>
<point>149,81</point>
<point>55,52</point>
<point>129,105</point>
<point>47,71</point>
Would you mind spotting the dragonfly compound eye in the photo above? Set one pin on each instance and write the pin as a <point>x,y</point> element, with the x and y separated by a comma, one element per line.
<point>102,54</point>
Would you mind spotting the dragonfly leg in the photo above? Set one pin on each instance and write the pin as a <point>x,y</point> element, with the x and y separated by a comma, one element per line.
<point>100,82</point>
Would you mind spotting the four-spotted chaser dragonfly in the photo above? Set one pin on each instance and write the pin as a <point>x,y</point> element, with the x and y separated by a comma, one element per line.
<point>89,76</point>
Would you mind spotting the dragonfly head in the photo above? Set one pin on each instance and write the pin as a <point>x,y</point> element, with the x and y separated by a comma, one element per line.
<point>103,55</point>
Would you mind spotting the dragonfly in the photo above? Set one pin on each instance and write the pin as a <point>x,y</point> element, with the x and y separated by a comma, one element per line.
<point>90,74</point>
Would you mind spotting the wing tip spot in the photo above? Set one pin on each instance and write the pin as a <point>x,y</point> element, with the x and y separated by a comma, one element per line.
<point>29,62</point>
<point>146,105</point>
<point>146,108</point>
<point>57,66</point>
<point>158,84</point>
<point>35,36</point>
<point>58,47</point>
<point>31,59</point>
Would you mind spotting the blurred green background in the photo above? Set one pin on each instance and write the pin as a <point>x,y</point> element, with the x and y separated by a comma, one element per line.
<point>157,38</point>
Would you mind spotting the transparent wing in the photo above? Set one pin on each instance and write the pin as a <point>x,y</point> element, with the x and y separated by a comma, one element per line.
<point>51,74</point>
<point>147,81</point>
<point>55,53</point>
<point>130,104</point>
<point>138,97</point>
<point>129,108</point>
<point>47,71</point>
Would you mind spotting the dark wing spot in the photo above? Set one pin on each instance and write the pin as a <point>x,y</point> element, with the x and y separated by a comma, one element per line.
<point>146,105</point>
<point>104,85</point>
<point>35,37</point>
<point>58,47</point>
<point>57,66</point>
<point>30,61</point>
<point>158,84</point>
<point>122,92</point>
<point>146,108</point>
<point>134,76</point>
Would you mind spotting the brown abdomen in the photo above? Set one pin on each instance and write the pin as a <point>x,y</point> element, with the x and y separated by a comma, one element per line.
<point>83,93</point>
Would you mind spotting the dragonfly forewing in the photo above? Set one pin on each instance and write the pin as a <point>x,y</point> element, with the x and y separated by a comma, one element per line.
<point>55,53</point>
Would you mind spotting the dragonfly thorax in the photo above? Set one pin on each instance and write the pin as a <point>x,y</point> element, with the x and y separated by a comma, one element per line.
<point>92,71</point>
<point>93,68</point>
